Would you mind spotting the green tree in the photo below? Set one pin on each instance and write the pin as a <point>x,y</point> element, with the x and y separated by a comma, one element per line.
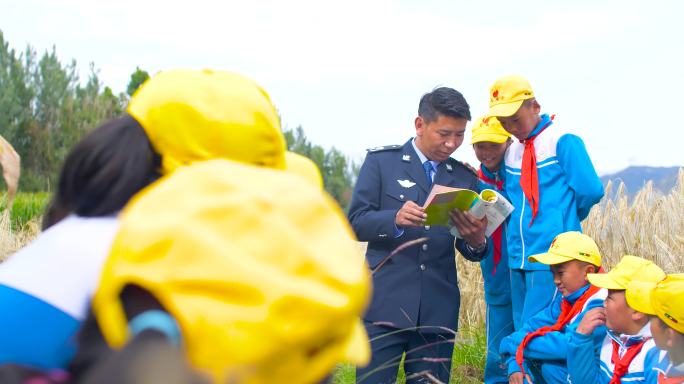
<point>338,173</point>
<point>137,78</point>
<point>44,110</point>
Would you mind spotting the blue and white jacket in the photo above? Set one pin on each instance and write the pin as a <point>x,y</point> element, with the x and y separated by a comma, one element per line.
<point>497,286</point>
<point>568,188</point>
<point>45,289</point>
<point>584,366</point>
<point>664,368</point>
<point>553,345</point>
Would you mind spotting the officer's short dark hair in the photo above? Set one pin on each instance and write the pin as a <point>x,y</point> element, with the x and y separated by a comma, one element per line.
<point>103,171</point>
<point>443,101</point>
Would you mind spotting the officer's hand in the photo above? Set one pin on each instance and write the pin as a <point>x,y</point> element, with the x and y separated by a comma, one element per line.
<point>410,214</point>
<point>518,378</point>
<point>593,319</point>
<point>472,229</point>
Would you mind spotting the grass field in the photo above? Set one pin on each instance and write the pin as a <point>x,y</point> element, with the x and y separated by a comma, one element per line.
<point>650,226</point>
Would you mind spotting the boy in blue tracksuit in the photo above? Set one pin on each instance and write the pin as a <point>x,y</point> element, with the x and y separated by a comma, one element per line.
<point>538,352</point>
<point>490,142</point>
<point>664,301</point>
<point>551,182</point>
<point>628,350</point>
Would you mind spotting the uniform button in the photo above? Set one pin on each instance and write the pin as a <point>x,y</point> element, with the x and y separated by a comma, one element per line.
<point>422,267</point>
<point>401,197</point>
<point>427,227</point>
<point>425,247</point>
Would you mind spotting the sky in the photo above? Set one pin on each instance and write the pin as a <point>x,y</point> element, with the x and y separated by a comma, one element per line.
<point>351,72</point>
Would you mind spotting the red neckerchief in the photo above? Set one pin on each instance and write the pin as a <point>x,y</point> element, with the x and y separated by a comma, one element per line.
<point>528,174</point>
<point>622,364</point>
<point>669,380</point>
<point>568,311</point>
<point>497,235</point>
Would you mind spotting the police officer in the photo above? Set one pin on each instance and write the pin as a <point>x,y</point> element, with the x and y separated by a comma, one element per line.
<point>415,292</point>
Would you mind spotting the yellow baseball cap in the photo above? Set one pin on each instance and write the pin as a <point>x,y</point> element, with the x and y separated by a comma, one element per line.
<point>507,95</point>
<point>304,167</point>
<point>194,115</point>
<point>664,299</point>
<point>570,246</point>
<point>264,278</point>
<point>489,129</point>
<point>630,268</point>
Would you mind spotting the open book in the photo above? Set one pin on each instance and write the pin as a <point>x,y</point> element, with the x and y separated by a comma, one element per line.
<point>488,203</point>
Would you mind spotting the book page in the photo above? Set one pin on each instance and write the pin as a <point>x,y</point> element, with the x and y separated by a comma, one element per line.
<point>443,199</point>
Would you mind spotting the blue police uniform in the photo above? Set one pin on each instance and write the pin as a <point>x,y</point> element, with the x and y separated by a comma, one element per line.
<point>416,289</point>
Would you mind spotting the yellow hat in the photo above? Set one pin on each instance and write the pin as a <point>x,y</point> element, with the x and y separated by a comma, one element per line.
<point>304,167</point>
<point>570,246</point>
<point>264,277</point>
<point>507,95</point>
<point>664,299</point>
<point>489,129</point>
<point>192,115</point>
<point>630,268</point>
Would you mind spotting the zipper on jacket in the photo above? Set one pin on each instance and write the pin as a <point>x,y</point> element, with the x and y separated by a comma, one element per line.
<point>522,239</point>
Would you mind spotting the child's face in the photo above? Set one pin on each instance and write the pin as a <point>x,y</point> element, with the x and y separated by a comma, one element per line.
<point>659,330</point>
<point>522,123</point>
<point>570,276</point>
<point>490,154</point>
<point>618,313</point>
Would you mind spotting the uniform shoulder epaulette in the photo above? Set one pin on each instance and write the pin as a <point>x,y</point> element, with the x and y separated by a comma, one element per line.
<point>465,166</point>
<point>384,148</point>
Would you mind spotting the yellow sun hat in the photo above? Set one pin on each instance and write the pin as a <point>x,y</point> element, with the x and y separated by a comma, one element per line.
<point>195,115</point>
<point>264,277</point>
<point>304,167</point>
<point>489,129</point>
<point>664,299</point>
<point>630,268</point>
<point>507,95</point>
<point>570,246</point>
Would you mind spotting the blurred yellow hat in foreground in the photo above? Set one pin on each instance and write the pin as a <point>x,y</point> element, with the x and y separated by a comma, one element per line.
<point>264,277</point>
<point>304,167</point>
<point>192,115</point>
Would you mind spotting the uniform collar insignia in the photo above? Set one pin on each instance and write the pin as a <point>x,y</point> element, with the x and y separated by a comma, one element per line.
<point>449,167</point>
<point>406,158</point>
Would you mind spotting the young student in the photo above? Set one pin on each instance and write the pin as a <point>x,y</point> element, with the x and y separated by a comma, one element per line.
<point>177,117</point>
<point>628,349</point>
<point>551,182</point>
<point>539,350</point>
<point>201,278</point>
<point>664,301</point>
<point>490,142</point>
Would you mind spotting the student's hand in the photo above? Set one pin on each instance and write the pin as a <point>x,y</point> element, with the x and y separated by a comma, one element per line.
<point>593,319</point>
<point>518,378</point>
<point>410,214</point>
<point>472,229</point>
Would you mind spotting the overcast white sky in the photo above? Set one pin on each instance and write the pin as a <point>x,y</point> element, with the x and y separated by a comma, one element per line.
<point>351,72</point>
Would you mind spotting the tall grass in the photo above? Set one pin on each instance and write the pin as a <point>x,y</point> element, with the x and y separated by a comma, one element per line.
<point>22,224</point>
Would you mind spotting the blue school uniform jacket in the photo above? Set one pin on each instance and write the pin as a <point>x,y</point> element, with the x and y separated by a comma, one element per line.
<point>568,188</point>
<point>664,369</point>
<point>584,366</point>
<point>553,345</point>
<point>45,290</point>
<point>497,284</point>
